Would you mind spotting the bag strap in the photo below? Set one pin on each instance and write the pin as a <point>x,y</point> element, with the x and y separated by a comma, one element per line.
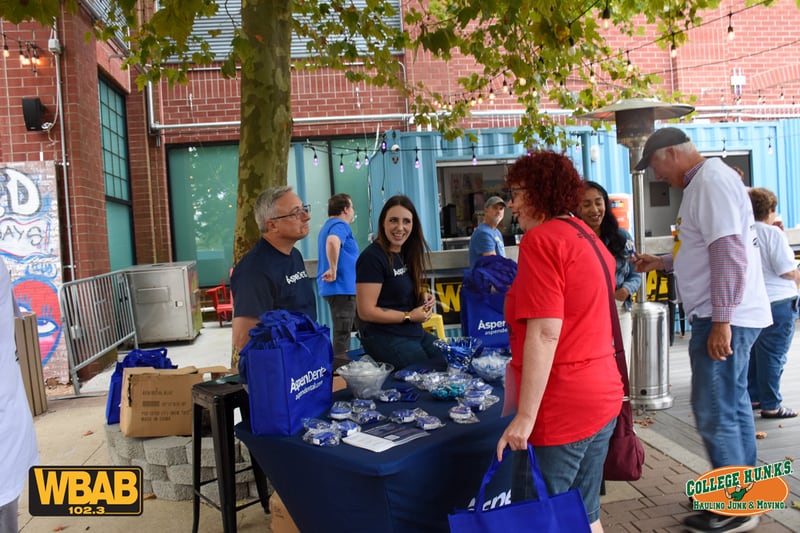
<point>620,347</point>
<point>536,473</point>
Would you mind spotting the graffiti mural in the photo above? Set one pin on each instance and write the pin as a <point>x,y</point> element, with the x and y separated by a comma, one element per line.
<point>29,243</point>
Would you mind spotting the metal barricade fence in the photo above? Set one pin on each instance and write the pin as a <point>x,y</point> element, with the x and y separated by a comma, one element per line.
<point>97,313</point>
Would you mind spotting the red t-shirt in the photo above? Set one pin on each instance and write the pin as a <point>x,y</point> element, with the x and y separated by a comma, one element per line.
<point>559,276</point>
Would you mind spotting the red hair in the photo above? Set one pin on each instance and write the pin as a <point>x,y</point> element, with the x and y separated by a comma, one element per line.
<point>550,184</point>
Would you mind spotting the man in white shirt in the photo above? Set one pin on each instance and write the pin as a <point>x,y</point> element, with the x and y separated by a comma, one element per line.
<point>718,270</point>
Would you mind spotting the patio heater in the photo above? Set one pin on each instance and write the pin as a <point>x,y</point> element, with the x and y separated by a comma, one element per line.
<point>649,368</point>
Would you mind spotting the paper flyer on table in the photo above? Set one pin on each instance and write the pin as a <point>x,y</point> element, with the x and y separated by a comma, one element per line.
<point>384,436</point>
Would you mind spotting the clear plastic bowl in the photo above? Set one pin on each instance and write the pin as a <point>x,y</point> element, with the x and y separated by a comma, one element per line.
<point>491,367</point>
<point>365,379</point>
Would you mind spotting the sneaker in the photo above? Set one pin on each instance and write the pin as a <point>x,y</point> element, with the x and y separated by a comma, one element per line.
<point>705,521</point>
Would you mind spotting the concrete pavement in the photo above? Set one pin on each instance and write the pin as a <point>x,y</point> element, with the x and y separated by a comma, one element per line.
<point>71,433</point>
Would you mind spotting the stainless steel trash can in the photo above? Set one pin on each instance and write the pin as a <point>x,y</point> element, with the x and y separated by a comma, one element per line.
<point>649,371</point>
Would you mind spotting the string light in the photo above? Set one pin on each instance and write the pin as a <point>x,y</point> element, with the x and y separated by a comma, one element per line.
<point>316,159</point>
<point>606,16</point>
<point>416,157</point>
<point>358,161</point>
<point>505,85</point>
<point>769,146</point>
<point>383,145</point>
<point>724,150</point>
<point>730,26</point>
<point>629,66</point>
<point>474,158</point>
<point>491,93</point>
<point>6,52</point>
<point>366,159</point>
<point>341,163</point>
<point>592,78</point>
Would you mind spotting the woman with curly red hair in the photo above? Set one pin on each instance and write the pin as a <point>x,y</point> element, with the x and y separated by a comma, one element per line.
<point>569,391</point>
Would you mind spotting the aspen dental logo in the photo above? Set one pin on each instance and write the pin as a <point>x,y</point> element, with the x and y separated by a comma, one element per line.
<point>741,490</point>
<point>311,380</point>
<point>492,327</point>
<point>85,491</point>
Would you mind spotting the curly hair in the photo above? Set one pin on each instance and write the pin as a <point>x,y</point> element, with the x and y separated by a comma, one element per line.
<point>764,202</point>
<point>609,227</point>
<point>550,184</point>
<point>415,251</point>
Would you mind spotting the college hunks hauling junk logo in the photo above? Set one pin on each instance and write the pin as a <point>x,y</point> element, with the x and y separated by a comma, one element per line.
<point>741,490</point>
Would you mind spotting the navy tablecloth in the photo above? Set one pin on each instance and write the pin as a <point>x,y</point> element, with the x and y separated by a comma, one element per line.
<point>409,488</point>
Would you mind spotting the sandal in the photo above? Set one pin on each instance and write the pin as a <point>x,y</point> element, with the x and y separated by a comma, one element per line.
<point>782,412</point>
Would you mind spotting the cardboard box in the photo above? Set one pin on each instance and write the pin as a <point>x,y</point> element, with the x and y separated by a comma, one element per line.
<point>26,334</point>
<point>158,403</point>
<point>281,519</point>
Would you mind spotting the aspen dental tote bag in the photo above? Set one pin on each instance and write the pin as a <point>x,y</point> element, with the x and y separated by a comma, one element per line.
<point>482,298</point>
<point>288,368</point>
<point>562,513</point>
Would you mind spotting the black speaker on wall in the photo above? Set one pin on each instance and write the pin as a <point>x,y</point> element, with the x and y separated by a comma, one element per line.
<point>33,111</point>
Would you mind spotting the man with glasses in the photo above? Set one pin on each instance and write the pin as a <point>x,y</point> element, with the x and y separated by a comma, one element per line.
<point>273,275</point>
<point>336,274</point>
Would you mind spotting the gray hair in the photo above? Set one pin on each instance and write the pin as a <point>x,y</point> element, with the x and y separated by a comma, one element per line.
<point>685,148</point>
<point>265,205</point>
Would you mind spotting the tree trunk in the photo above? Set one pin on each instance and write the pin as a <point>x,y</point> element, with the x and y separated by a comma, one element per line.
<point>266,116</point>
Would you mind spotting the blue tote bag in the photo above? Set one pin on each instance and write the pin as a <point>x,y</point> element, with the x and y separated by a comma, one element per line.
<point>482,298</point>
<point>562,513</point>
<point>156,358</point>
<point>288,367</point>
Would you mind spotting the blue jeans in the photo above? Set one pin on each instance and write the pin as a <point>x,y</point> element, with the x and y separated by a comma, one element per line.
<point>720,401</point>
<point>768,355</point>
<point>402,351</point>
<point>568,466</point>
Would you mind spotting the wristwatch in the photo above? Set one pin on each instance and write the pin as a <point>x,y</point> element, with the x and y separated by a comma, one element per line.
<point>407,318</point>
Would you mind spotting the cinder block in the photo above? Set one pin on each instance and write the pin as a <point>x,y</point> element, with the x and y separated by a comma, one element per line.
<point>166,490</point>
<point>206,452</point>
<point>130,447</point>
<point>246,476</point>
<point>166,450</point>
<point>117,460</point>
<point>182,474</point>
<point>147,487</point>
<point>151,471</point>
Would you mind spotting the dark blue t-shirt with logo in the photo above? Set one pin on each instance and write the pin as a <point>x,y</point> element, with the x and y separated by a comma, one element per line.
<point>266,279</point>
<point>397,290</point>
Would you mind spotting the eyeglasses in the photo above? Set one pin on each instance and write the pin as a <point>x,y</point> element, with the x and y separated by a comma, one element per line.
<point>297,212</point>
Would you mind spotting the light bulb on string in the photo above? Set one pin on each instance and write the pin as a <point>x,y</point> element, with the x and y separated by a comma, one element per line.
<point>769,145</point>
<point>491,93</point>
<point>480,98</point>
<point>592,78</point>
<point>416,157</point>
<point>505,85</point>
<point>629,66</point>
<point>316,159</point>
<point>673,51</point>
<point>724,150</point>
<point>731,33</point>
<point>341,163</point>
<point>366,159</point>
<point>606,16</point>
<point>358,160</point>
<point>383,145</point>
<point>6,51</point>
<point>474,158</point>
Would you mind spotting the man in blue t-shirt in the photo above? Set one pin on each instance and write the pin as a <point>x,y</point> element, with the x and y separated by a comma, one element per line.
<point>336,272</point>
<point>272,275</point>
<point>487,239</point>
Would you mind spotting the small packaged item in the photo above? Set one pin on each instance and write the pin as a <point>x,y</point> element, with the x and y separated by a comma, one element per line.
<point>316,423</point>
<point>340,411</point>
<point>429,422</point>
<point>405,374</point>
<point>408,393</point>
<point>359,405</point>
<point>389,395</point>
<point>347,427</point>
<point>402,416</point>
<point>322,437</point>
<point>474,399</point>
<point>366,417</point>
<point>463,415</point>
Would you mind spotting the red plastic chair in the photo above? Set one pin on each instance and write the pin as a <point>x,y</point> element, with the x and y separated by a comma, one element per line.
<point>223,302</point>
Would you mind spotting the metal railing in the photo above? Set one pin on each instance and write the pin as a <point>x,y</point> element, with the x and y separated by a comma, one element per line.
<point>97,313</point>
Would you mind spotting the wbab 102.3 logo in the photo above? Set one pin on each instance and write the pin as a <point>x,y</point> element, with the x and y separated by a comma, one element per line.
<point>84,491</point>
<point>741,490</point>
